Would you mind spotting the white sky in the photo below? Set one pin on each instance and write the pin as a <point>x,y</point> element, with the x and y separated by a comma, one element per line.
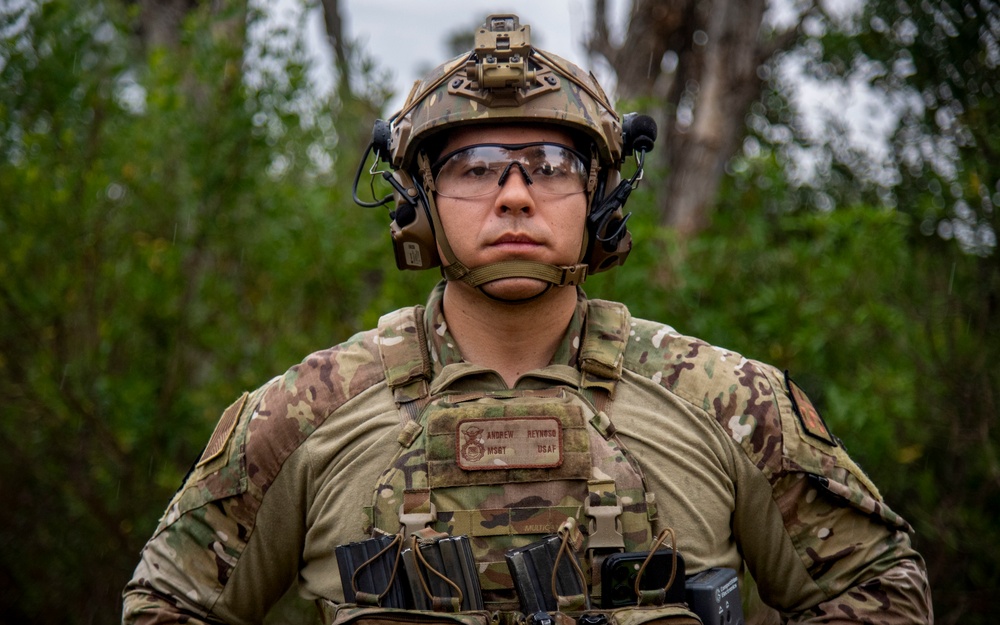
<point>409,37</point>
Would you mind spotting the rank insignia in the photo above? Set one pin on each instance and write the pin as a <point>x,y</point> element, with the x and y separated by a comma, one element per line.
<point>810,420</point>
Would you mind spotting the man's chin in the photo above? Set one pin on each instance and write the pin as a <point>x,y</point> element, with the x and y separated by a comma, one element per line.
<point>515,290</point>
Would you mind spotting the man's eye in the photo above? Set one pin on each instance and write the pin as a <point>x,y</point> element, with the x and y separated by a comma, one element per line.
<point>548,170</point>
<point>477,170</point>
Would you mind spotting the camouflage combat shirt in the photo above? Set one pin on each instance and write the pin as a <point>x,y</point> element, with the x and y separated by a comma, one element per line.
<point>741,465</point>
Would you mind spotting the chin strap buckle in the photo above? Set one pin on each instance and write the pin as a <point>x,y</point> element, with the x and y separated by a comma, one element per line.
<point>573,275</point>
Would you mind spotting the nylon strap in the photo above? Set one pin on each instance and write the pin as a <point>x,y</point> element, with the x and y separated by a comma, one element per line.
<point>602,352</point>
<point>569,275</point>
<point>402,345</point>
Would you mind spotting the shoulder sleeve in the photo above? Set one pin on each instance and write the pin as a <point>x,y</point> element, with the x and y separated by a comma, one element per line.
<point>854,548</point>
<point>201,537</point>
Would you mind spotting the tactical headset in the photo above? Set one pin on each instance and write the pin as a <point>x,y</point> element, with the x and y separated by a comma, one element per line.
<point>506,80</point>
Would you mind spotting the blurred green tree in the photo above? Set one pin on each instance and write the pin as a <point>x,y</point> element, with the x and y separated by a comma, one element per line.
<point>175,232</point>
<point>935,71</point>
<point>178,228</point>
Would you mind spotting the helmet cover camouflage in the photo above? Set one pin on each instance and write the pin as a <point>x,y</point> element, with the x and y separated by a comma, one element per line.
<point>527,85</point>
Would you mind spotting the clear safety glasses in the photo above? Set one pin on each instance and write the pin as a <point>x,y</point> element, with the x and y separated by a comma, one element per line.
<point>480,170</point>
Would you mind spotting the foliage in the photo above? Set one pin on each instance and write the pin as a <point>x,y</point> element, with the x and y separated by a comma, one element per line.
<point>178,228</point>
<point>937,64</point>
<point>797,289</point>
<point>172,237</point>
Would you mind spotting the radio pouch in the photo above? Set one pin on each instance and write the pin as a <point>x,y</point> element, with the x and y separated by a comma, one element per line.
<point>651,607</point>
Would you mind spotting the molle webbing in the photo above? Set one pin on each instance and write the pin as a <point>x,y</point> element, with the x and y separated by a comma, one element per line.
<point>603,351</point>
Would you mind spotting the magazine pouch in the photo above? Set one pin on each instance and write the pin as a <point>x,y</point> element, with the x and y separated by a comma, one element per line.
<point>432,586</point>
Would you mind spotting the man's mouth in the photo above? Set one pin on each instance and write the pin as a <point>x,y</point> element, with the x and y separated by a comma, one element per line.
<point>515,240</point>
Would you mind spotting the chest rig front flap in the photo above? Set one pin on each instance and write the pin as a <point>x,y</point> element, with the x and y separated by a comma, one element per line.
<point>507,467</point>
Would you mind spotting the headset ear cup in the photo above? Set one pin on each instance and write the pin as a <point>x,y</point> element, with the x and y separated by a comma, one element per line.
<point>609,241</point>
<point>610,244</point>
<point>411,229</point>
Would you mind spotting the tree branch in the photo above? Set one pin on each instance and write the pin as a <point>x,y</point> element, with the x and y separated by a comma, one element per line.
<point>334,24</point>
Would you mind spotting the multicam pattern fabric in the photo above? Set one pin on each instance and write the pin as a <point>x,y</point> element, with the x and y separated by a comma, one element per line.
<point>826,501</point>
<point>729,461</point>
<point>555,97</point>
<point>189,560</point>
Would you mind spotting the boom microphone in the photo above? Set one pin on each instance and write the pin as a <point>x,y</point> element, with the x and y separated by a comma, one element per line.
<point>639,132</point>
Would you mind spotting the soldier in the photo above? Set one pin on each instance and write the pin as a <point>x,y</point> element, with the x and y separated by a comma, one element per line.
<point>512,403</point>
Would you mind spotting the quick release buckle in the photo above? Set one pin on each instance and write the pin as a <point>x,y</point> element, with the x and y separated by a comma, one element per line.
<point>605,530</point>
<point>413,522</point>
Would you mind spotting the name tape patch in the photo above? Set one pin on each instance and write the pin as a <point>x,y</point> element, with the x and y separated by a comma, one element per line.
<point>515,443</point>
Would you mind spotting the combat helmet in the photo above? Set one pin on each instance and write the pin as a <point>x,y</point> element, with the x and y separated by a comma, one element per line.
<point>504,79</point>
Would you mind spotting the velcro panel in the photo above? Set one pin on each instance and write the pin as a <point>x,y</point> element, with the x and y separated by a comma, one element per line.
<point>520,447</point>
<point>517,443</point>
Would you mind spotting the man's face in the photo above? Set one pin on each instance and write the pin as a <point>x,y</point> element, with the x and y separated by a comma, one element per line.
<point>516,220</point>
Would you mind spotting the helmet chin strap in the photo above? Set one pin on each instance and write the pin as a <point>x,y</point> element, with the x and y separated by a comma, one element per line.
<point>476,277</point>
<point>554,275</point>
